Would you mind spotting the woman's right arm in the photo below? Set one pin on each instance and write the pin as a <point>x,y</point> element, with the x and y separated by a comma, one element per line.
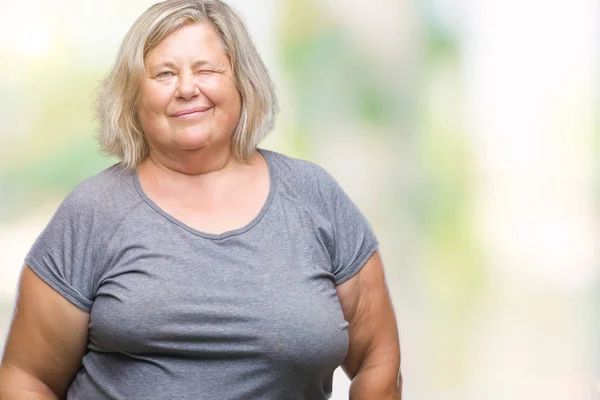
<point>45,344</point>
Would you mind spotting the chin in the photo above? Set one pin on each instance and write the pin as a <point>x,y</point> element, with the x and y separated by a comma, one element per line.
<point>193,140</point>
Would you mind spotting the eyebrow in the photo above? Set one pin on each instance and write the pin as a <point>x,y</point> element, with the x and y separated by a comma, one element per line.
<point>168,64</point>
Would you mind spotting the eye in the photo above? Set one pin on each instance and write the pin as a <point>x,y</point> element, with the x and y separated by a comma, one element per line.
<point>165,74</point>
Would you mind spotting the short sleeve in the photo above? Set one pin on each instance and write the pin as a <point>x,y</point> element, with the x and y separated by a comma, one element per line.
<point>63,255</point>
<point>353,238</point>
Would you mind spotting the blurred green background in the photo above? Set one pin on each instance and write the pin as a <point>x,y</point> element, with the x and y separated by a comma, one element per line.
<point>466,131</point>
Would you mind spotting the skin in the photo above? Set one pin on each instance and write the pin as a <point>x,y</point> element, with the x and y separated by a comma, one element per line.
<point>192,175</point>
<point>188,70</point>
<point>373,359</point>
<point>46,342</point>
<point>190,172</point>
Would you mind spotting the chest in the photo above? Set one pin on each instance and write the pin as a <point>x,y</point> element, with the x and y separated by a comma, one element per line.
<point>267,293</point>
<point>215,210</point>
<point>215,217</point>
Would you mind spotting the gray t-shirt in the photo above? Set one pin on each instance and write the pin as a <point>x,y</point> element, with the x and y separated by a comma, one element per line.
<point>176,313</point>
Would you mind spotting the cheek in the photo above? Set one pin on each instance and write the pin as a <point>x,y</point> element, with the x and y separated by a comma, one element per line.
<point>221,91</point>
<point>154,99</point>
<point>151,110</point>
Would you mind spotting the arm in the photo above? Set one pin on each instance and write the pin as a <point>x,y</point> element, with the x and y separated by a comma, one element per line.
<point>45,344</point>
<point>373,359</point>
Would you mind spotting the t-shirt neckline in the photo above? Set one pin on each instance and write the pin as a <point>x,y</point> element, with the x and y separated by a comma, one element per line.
<point>214,236</point>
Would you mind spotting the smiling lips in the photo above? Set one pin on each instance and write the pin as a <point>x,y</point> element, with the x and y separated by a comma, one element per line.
<point>189,113</point>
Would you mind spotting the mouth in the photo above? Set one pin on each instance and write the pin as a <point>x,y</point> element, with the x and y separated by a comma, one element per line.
<point>190,113</point>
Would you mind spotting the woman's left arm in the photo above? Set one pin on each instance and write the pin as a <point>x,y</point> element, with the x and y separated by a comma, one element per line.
<point>373,359</point>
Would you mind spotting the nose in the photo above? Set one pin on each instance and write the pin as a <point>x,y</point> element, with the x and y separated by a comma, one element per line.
<point>187,86</point>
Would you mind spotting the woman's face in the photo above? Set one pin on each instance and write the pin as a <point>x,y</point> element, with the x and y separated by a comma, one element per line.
<point>188,98</point>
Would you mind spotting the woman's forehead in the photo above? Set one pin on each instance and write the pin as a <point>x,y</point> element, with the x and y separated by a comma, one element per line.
<point>198,42</point>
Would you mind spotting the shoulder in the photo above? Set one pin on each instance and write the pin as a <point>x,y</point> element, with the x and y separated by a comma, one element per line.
<point>104,196</point>
<point>68,253</point>
<point>301,177</point>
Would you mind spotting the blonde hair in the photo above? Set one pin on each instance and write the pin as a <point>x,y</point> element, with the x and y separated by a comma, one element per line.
<point>121,133</point>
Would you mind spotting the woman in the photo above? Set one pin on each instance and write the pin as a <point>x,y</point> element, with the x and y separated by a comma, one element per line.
<point>199,267</point>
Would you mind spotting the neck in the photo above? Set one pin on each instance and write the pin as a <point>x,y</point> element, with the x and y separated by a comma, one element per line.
<point>190,163</point>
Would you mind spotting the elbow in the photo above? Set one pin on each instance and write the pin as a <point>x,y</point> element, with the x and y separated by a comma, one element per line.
<point>383,382</point>
<point>18,384</point>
